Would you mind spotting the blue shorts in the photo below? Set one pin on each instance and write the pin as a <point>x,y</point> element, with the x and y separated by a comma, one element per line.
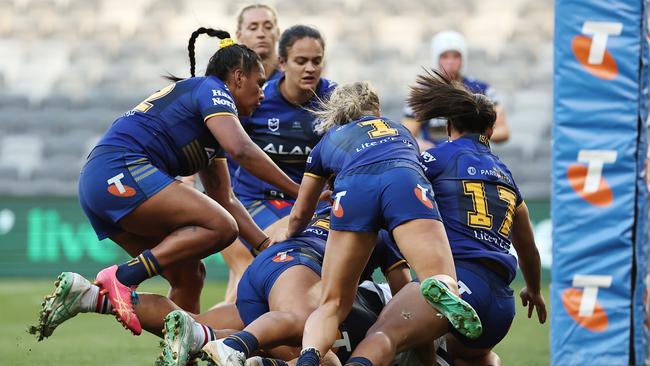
<point>381,196</point>
<point>113,183</point>
<point>258,279</point>
<point>491,297</point>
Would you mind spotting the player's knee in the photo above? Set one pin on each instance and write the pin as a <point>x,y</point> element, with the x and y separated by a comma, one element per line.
<point>223,234</point>
<point>383,346</point>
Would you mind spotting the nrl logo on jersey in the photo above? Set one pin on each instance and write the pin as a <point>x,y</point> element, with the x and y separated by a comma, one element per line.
<point>274,124</point>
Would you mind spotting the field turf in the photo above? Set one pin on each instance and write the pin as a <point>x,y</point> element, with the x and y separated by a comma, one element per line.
<point>92,339</point>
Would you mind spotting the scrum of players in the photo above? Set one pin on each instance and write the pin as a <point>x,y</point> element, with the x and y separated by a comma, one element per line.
<point>308,190</point>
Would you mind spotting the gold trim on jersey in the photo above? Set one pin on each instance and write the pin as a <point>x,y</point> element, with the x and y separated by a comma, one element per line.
<point>218,114</point>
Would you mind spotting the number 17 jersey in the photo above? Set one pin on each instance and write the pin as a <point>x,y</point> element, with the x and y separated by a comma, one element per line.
<point>477,198</point>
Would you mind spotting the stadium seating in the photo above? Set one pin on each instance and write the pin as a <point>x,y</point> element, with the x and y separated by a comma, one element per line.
<point>70,67</point>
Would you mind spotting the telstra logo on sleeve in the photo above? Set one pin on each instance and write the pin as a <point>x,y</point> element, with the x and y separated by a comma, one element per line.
<point>591,52</point>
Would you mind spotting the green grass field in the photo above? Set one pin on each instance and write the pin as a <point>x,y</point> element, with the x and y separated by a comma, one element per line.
<point>92,339</point>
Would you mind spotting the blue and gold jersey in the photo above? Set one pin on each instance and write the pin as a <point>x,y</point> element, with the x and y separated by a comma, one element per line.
<point>361,142</point>
<point>477,198</point>
<point>316,232</point>
<point>284,131</point>
<point>170,128</point>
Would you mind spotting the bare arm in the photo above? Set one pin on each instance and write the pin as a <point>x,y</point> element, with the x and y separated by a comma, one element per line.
<point>501,131</point>
<point>232,137</point>
<point>529,262</point>
<point>398,277</point>
<point>216,181</point>
<point>302,211</point>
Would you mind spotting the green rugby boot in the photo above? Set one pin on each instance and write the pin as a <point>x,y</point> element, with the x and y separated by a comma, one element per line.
<point>460,314</point>
<point>64,303</point>
<point>178,339</point>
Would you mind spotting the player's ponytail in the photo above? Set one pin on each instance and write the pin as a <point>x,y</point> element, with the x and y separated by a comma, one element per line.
<point>437,96</point>
<point>228,57</point>
<point>347,103</point>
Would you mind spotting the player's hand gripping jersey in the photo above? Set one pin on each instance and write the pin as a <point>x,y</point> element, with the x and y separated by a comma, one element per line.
<point>477,198</point>
<point>169,127</point>
<point>362,142</point>
<point>284,131</point>
<point>307,249</point>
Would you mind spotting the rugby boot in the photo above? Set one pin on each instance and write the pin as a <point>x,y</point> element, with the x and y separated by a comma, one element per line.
<point>222,355</point>
<point>120,297</point>
<point>178,338</point>
<point>460,314</point>
<point>64,303</point>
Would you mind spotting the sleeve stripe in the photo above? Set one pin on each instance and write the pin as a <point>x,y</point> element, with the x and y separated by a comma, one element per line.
<point>397,264</point>
<point>314,175</point>
<point>218,114</point>
<point>219,159</point>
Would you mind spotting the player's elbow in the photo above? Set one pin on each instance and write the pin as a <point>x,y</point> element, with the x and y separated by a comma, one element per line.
<point>240,150</point>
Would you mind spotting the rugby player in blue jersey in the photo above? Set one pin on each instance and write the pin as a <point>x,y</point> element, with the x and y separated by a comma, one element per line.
<point>484,215</point>
<point>449,55</point>
<point>266,304</point>
<point>379,184</point>
<point>128,191</point>
<point>283,127</point>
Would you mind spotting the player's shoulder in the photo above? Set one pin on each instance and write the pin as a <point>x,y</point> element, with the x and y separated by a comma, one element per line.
<point>440,156</point>
<point>326,87</point>
<point>445,150</point>
<point>212,82</point>
<point>271,88</point>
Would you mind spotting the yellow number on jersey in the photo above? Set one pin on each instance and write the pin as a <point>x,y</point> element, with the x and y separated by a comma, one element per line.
<point>323,224</point>
<point>379,128</point>
<point>146,104</point>
<point>510,197</point>
<point>480,217</point>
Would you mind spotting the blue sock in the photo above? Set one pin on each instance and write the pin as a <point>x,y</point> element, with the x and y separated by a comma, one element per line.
<point>309,357</point>
<point>358,361</point>
<point>273,362</point>
<point>243,342</point>
<point>138,269</point>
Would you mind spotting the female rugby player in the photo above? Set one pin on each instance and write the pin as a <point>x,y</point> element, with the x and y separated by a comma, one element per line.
<point>484,215</point>
<point>128,191</point>
<point>379,184</point>
<point>283,127</point>
<point>272,283</point>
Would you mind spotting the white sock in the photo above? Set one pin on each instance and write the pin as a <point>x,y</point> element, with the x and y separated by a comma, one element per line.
<point>202,335</point>
<point>94,302</point>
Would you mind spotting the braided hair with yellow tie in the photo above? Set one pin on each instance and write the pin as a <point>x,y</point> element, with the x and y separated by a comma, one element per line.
<point>228,57</point>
